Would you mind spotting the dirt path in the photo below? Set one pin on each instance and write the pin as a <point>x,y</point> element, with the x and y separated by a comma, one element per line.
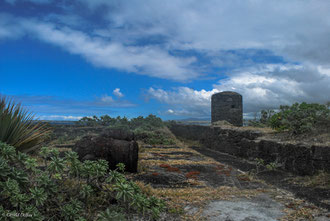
<point>202,185</point>
<point>278,178</point>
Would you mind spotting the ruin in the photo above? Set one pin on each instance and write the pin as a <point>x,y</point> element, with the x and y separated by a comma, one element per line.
<point>227,106</point>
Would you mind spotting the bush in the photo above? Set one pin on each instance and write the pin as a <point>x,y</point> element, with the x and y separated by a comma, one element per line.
<point>301,118</point>
<point>17,127</point>
<point>263,120</point>
<point>153,137</point>
<point>67,189</point>
<point>149,129</point>
<point>149,123</point>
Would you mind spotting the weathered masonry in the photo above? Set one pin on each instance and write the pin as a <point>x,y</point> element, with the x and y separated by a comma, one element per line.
<point>227,106</point>
<point>301,159</point>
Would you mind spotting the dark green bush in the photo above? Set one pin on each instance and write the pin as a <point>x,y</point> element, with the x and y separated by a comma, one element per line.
<point>67,189</point>
<point>153,137</point>
<point>301,118</point>
<point>146,129</point>
<point>148,123</point>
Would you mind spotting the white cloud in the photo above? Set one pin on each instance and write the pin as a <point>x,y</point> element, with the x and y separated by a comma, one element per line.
<point>107,99</point>
<point>170,111</point>
<point>59,117</point>
<point>297,29</point>
<point>117,93</point>
<point>266,88</point>
<point>145,60</point>
<point>184,100</point>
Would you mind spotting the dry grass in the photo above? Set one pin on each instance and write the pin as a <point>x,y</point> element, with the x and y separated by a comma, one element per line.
<point>320,180</point>
<point>150,163</point>
<point>226,125</point>
<point>179,198</point>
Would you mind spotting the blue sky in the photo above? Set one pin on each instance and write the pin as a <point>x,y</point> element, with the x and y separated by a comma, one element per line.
<point>67,59</point>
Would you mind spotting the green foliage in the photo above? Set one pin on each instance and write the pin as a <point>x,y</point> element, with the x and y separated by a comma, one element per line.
<point>260,163</point>
<point>263,120</point>
<point>301,118</point>
<point>148,129</point>
<point>149,123</point>
<point>153,137</point>
<point>111,215</point>
<point>68,189</point>
<point>17,127</point>
<point>297,118</point>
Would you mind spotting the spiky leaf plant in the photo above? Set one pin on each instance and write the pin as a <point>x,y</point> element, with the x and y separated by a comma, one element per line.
<point>17,127</point>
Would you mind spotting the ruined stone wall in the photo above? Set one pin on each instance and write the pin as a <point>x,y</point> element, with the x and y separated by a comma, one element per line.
<point>249,144</point>
<point>227,106</point>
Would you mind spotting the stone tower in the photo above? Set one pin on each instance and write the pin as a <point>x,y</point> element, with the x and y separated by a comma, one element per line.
<point>227,106</point>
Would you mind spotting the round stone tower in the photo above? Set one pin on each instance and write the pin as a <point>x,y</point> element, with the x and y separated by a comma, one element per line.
<point>227,106</point>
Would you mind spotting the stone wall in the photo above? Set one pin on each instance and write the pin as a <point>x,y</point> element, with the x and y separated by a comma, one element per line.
<point>297,158</point>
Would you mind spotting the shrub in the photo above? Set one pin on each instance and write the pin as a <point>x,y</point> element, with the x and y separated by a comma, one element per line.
<point>297,118</point>
<point>263,120</point>
<point>67,189</point>
<point>17,127</point>
<point>149,123</point>
<point>301,118</point>
<point>148,129</point>
<point>153,137</point>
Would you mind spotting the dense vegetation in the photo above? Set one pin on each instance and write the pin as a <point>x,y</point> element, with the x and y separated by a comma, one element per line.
<point>148,129</point>
<point>18,128</point>
<point>61,188</point>
<point>67,189</point>
<point>297,118</point>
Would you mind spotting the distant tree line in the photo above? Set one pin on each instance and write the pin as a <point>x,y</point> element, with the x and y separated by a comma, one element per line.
<point>146,123</point>
<point>148,129</point>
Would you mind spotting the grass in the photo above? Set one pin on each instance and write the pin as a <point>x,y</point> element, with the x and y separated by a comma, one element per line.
<point>179,198</point>
<point>319,180</point>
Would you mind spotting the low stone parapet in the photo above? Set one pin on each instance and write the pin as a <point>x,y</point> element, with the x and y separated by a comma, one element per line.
<point>301,159</point>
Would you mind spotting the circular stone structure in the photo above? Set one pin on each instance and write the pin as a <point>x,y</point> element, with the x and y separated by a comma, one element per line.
<point>227,106</point>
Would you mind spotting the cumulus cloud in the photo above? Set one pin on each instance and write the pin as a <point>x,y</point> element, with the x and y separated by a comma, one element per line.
<point>295,28</point>
<point>117,93</point>
<point>145,60</point>
<point>184,100</point>
<point>265,88</point>
<point>146,38</point>
<point>142,38</point>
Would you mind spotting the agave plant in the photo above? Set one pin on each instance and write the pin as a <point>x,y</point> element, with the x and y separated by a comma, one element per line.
<point>18,128</point>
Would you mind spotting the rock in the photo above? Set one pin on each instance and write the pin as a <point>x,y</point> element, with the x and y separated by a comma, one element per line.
<point>299,158</point>
<point>163,179</point>
<point>126,152</point>
<point>89,157</point>
<point>114,146</point>
<point>119,134</point>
